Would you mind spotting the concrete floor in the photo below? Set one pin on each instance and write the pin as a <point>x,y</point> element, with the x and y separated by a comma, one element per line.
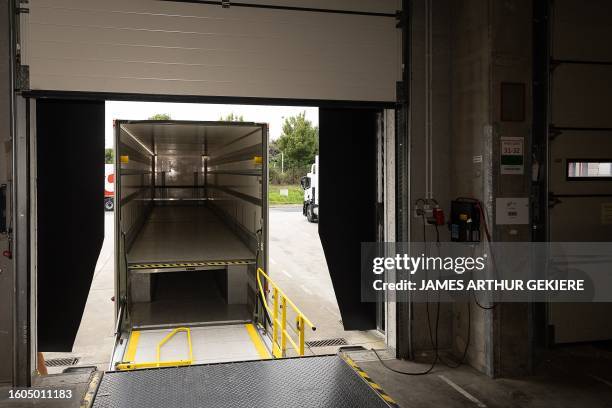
<point>94,340</point>
<point>569,377</point>
<point>77,387</point>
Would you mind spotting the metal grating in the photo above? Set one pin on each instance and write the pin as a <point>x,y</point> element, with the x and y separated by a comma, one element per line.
<point>61,362</point>
<point>339,341</point>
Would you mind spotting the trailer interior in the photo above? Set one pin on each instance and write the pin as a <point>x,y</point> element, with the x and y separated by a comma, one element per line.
<point>189,235</point>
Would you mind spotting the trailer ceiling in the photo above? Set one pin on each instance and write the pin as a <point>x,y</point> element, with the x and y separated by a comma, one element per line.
<point>188,138</point>
<point>346,51</point>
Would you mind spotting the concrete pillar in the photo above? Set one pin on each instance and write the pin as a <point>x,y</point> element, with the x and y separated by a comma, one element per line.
<point>511,64</point>
<point>461,53</point>
<point>471,158</point>
<point>491,45</point>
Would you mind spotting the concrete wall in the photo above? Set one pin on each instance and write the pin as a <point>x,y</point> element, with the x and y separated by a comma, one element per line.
<point>511,50</point>
<point>491,44</point>
<point>471,143</point>
<point>429,137</point>
<point>6,267</point>
<point>475,45</point>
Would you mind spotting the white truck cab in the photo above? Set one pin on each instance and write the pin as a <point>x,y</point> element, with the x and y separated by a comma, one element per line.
<point>310,184</point>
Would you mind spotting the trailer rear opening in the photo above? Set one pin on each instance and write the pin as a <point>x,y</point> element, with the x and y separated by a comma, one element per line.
<point>191,227</point>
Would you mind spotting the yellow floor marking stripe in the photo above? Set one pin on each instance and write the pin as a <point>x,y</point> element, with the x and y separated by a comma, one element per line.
<point>377,388</point>
<point>388,398</point>
<point>257,342</point>
<point>132,346</point>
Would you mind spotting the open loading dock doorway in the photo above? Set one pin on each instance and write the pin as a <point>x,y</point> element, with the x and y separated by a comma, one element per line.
<point>319,264</point>
<point>165,199</point>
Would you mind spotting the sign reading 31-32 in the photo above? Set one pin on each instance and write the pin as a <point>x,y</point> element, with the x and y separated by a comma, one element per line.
<point>512,158</point>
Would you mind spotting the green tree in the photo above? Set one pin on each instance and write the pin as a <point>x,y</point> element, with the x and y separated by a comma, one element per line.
<point>273,150</point>
<point>299,142</point>
<point>109,156</point>
<point>231,118</point>
<point>161,116</point>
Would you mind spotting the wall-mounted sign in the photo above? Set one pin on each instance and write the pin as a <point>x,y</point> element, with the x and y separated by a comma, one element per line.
<point>512,157</point>
<point>512,211</point>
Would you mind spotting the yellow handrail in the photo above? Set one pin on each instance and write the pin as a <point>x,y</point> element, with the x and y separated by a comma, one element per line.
<point>152,364</point>
<point>169,336</point>
<point>280,299</point>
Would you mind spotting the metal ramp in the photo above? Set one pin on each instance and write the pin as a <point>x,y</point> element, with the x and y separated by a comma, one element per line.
<point>181,346</point>
<point>318,381</point>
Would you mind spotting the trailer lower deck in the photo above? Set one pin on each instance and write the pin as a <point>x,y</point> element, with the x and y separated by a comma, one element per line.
<point>320,381</point>
<point>181,298</point>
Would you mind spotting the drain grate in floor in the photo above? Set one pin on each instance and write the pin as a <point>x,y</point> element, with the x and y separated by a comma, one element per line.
<point>327,342</point>
<point>61,362</point>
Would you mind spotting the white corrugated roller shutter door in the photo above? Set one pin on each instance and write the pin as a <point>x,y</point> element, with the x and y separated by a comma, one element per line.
<point>176,48</point>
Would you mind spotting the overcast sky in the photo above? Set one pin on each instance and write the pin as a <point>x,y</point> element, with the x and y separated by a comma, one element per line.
<point>273,115</point>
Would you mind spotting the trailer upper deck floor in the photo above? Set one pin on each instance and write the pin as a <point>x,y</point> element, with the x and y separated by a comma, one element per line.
<point>180,233</point>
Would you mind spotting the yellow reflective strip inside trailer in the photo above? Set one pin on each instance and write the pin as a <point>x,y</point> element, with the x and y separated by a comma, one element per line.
<point>132,346</point>
<point>257,342</point>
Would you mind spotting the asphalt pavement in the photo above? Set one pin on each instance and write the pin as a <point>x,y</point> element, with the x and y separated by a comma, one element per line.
<point>297,263</point>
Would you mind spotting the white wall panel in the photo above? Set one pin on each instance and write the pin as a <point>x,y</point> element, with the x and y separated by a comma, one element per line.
<point>157,47</point>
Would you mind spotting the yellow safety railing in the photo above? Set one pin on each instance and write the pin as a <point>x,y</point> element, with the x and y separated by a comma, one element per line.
<point>152,364</point>
<point>279,323</point>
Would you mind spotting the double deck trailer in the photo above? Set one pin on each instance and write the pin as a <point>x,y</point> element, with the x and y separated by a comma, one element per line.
<point>191,229</point>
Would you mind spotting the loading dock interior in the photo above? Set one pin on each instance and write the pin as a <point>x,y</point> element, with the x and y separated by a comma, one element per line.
<point>454,61</point>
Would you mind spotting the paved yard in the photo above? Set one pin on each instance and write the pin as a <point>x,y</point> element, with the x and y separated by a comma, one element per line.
<point>297,264</point>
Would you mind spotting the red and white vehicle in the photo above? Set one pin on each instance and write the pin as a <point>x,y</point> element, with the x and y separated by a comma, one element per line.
<point>109,187</point>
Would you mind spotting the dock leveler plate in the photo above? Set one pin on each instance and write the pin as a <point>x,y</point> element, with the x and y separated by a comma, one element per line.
<point>318,381</point>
